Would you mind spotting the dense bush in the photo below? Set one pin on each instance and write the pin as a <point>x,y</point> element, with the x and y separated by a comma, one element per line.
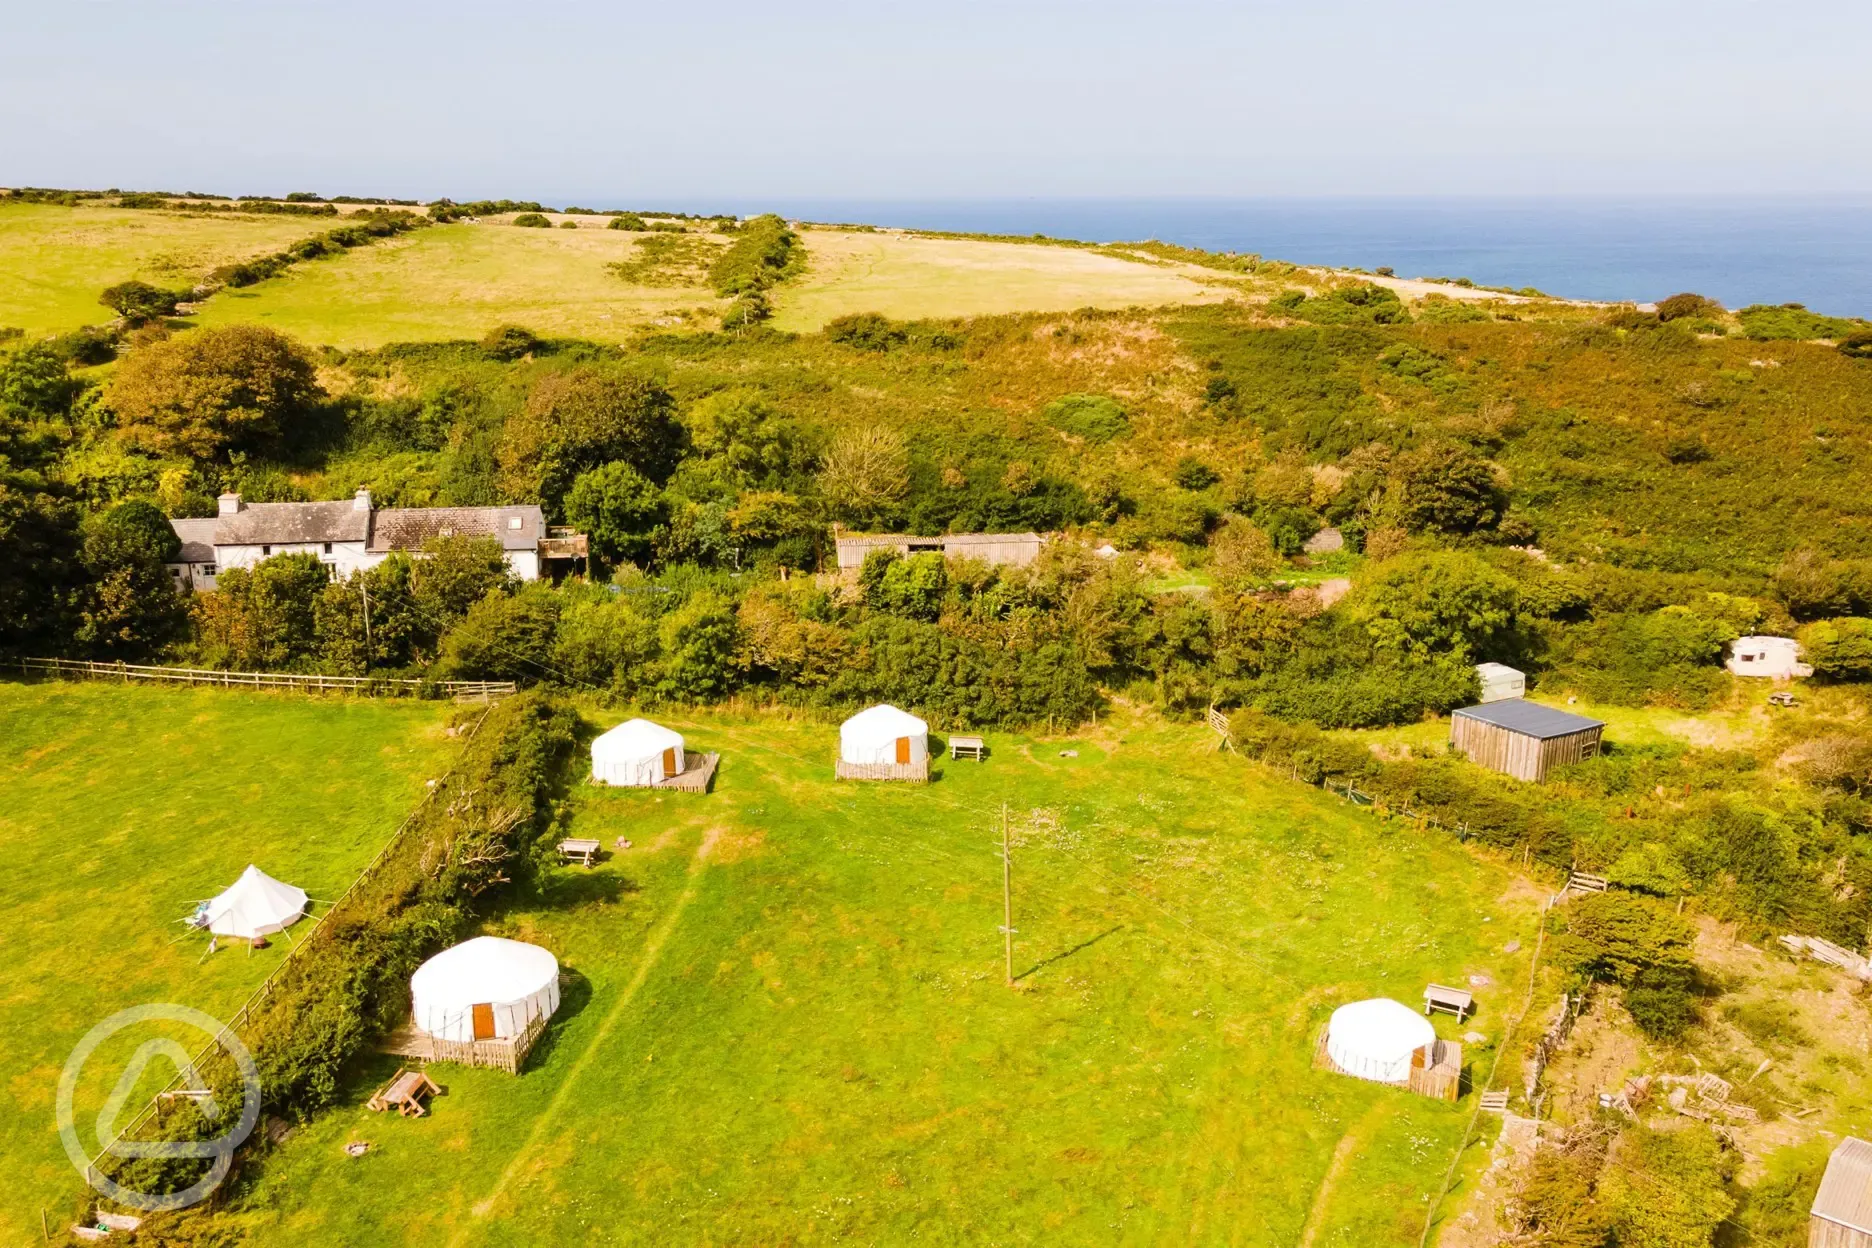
<point>1094,417</point>
<point>210,392</point>
<point>626,221</point>
<point>1768,322</point>
<point>764,252</point>
<point>1839,649</point>
<point>532,221</point>
<point>865,330</point>
<point>138,302</point>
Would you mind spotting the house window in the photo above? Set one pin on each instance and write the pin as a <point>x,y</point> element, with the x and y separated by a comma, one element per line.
<point>513,522</point>
<point>207,569</point>
<point>266,550</point>
<point>328,548</point>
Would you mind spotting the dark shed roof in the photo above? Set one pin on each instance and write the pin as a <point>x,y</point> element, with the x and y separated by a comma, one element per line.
<point>1530,719</point>
<point>1845,1194</point>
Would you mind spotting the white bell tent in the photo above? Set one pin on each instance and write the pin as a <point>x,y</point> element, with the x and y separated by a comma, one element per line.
<point>484,989</point>
<point>638,753</point>
<point>256,905</point>
<point>1380,1040</point>
<point>884,734</point>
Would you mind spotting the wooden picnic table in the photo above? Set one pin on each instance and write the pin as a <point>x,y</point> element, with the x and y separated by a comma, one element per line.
<point>961,746</point>
<point>579,849</point>
<point>405,1093</point>
<point>1457,1001</point>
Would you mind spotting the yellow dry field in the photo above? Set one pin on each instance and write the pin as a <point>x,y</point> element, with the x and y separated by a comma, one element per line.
<point>54,261</point>
<point>907,277</point>
<point>459,281</point>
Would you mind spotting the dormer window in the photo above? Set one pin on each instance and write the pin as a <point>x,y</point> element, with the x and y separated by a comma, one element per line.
<point>513,522</point>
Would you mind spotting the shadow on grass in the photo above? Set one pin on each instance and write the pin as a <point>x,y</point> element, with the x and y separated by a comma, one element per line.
<point>1061,956</point>
<point>575,993</point>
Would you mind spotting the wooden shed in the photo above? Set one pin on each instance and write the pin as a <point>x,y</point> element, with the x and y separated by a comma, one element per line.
<point>1522,738</point>
<point>1842,1208</point>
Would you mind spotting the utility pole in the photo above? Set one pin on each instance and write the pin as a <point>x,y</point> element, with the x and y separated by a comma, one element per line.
<point>364,588</point>
<point>1007,898</point>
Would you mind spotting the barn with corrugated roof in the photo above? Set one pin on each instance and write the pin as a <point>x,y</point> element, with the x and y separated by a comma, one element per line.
<point>1524,739</point>
<point>1842,1208</point>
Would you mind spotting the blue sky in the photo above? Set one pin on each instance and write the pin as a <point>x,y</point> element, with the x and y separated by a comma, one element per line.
<point>721,101</point>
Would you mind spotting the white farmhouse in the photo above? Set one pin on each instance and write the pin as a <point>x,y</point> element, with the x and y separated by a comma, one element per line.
<point>350,535</point>
<point>1777,658</point>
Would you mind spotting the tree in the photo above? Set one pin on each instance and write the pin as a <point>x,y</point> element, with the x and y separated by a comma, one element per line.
<point>139,302</point>
<point>618,508</point>
<point>1839,649</point>
<point>262,617</point>
<point>575,420</point>
<point>1683,306</point>
<point>40,573</point>
<point>1241,556</point>
<point>1440,602</point>
<point>1618,936</point>
<point>210,392</point>
<point>397,637</point>
<point>130,605</point>
<point>454,574</point>
<point>605,641</point>
<point>698,641</point>
<point>504,637</point>
<point>866,474</point>
<point>1448,488</point>
<point>34,382</point>
<point>1191,473</point>
<point>754,441</point>
<point>913,587</point>
<point>1667,1189</point>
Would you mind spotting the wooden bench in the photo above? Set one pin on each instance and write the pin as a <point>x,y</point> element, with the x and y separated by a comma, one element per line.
<point>1457,1001</point>
<point>405,1093</point>
<point>968,747</point>
<point>579,850</point>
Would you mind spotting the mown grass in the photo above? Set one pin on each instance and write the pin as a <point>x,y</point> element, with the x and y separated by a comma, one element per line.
<point>785,1019</point>
<point>123,808</point>
<point>911,277</point>
<point>54,261</point>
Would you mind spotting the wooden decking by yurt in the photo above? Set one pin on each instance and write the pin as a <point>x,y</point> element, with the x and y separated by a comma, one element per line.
<point>1524,739</point>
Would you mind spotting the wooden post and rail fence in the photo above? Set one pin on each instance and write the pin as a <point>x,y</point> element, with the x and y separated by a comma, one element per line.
<point>369,686</point>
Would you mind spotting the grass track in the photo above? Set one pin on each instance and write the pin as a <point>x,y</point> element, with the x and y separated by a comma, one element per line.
<point>804,1036</point>
<point>123,807</point>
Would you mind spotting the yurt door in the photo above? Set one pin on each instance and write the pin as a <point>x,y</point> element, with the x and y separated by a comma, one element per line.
<point>669,762</point>
<point>903,749</point>
<point>484,1022</point>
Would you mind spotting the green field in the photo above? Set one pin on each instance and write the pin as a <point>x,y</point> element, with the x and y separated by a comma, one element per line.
<point>785,1017</point>
<point>459,281</point>
<point>54,261</point>
<point>123,808</point>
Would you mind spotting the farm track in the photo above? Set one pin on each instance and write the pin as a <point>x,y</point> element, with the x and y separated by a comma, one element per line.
<point>652,952</point>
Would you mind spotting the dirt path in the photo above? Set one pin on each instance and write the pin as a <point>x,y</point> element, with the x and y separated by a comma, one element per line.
<point>652,950</point>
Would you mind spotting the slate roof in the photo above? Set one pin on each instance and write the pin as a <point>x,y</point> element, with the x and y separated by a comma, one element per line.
<point>284,524</point>
<point>407,528</point>
<point>197,539</point>
<point>1845,1194</point>
<point>947,539</point>
<point>1530,719</point>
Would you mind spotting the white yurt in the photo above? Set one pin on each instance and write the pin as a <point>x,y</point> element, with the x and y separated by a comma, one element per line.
<point>1380,1040</point>
<point>484,989</point>
<point>883,734</point>
<point>256,905</point>
<point>637,752</point>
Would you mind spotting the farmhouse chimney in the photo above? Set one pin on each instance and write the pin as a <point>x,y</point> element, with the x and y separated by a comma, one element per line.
<point>229,504</point>
<point>362,501</point>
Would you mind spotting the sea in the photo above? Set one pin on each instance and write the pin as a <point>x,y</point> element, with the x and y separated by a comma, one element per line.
<point>1813,251</point>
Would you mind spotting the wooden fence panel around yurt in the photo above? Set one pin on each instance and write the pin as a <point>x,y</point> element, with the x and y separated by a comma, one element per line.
<point>917,772</point>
